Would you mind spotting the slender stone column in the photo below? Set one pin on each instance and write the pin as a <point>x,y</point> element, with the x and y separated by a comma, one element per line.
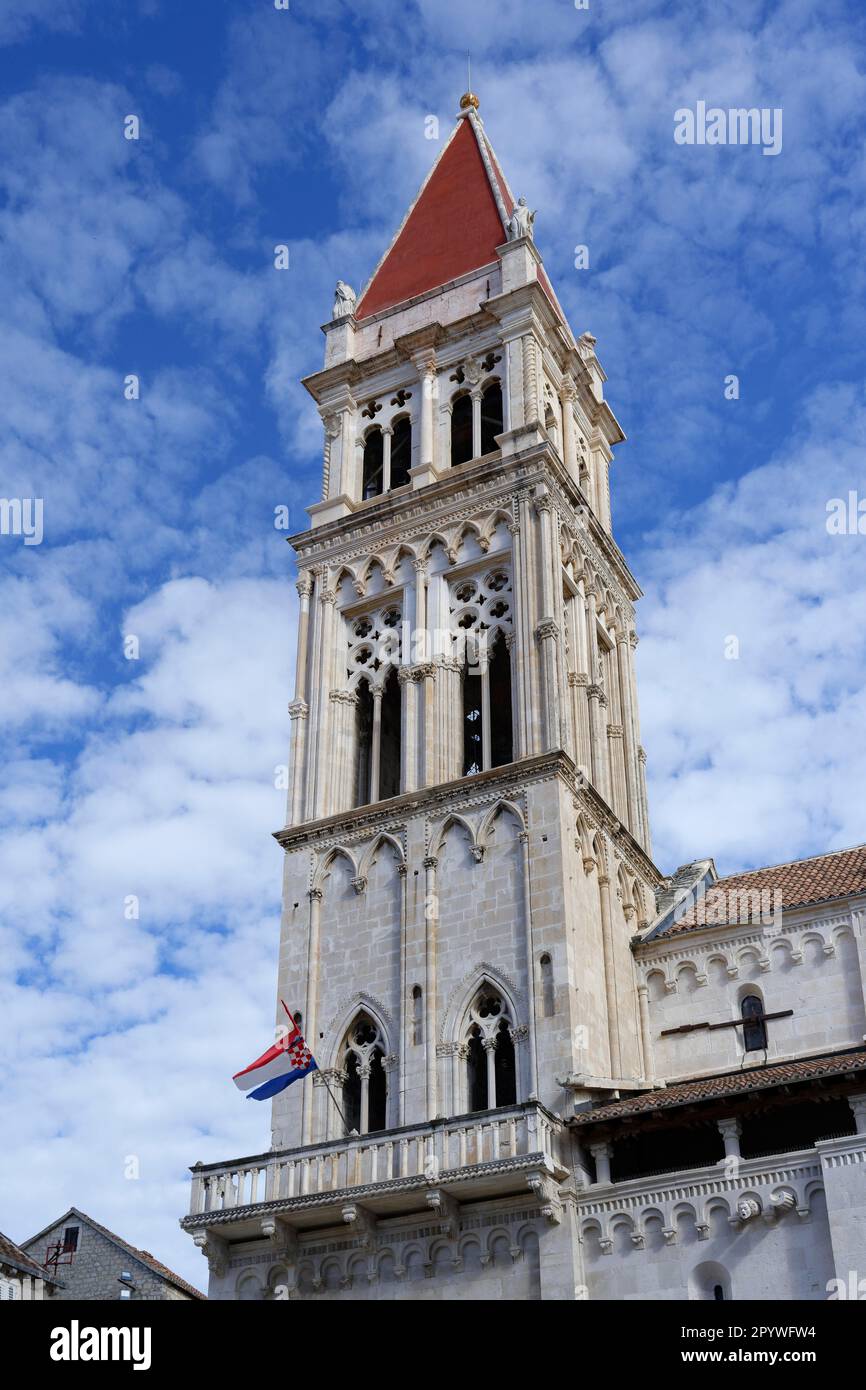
<point>409,745</point>
<point>427,379</point>
<point>402,872</point>
<point>569,450</point>
<point>858,1110</point>
<point>602,1153</point>
<point>530,965</point>
<point>327,599</point>
<point>311,1009</point>
<point>646,1039</point>
<point>547,631</point>
<point>376,746</point>
<point>476,422</point>
<point>431,922</point>
<point>387,435</point>
<point>609,972</point>
<point>730,1130</point>
<point>633,817</point>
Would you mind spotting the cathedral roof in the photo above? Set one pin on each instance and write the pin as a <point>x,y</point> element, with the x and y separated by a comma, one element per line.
<point>731,1084</point>
<point>453,227</point>
<point>839,874</point>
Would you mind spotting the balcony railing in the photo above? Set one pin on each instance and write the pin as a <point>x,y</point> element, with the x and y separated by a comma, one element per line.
<point>518,1136</point>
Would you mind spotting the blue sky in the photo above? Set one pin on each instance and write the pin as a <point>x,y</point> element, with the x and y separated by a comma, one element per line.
<point>155,777</point>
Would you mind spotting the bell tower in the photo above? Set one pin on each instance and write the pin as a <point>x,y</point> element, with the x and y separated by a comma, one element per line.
<point>467,850</point>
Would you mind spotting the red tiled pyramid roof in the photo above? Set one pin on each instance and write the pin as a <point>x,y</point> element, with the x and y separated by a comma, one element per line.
<point>454,227</point>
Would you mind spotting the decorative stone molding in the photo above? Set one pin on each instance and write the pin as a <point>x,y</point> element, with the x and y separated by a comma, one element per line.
<point>359,884</point>
<point>215,1251</point>
<point>361,1223</point>
<point>445,1208</point>
<point>546,1194</point>
<point>299,709</point>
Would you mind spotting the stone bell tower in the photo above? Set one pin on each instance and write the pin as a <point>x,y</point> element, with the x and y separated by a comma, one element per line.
<point>467,850</point>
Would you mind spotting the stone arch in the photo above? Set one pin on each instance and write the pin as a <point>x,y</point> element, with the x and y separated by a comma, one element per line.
<point>248,1289</point>
<point>462,996</point>
<point>336,1030</point>
<point>496,518</point>
<point>369,855</point>
<point>486,830</point>
<point>705,1278</point>
<point>437,839</point>
<point>324,865</point>
<point>585,836</point>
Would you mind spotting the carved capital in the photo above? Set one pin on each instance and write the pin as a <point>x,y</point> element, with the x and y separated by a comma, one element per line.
<point>215,1251</point>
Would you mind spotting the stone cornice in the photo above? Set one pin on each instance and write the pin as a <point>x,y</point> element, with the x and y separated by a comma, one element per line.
<point>397,518</point>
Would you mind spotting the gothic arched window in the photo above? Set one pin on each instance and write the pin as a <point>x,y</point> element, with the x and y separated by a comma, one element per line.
<point>491,417</point>
<point>365,1088</point>
<point>374,456</point>
<point>754,1027</point>
<point>481,627</point>
<point>491,1073</point>
<point>461,429</point>
<point>401,453</point>
<point>374,656</point>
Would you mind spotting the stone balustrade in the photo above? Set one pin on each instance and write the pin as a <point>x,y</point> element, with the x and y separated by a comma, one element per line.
<point>522,1136</point>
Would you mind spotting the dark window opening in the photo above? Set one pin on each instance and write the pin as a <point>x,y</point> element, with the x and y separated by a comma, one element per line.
<point>477,1073</point>
<point>70,1238</point>
<point>417,1017</point>
<point>499,675</point>
<point>506,1072</point>
<point>547,1001</point>
<point>461,430</point>
<point>352,1094</point>
<point>390,739</point>
<point>473,751</point>
<point>754,1027</point>
<point>663,1151</point>
<point>401,452</point>
<point>784,1129</point>
<point>491,417</point>
<point>373,462</point>
<point>718,1293</point>
<point>364,743</point>
<point>378,1094</point>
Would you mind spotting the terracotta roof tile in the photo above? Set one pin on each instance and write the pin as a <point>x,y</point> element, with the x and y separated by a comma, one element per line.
<point>12,1254</point>
<point>731,1084</point>
<point>838,874</point>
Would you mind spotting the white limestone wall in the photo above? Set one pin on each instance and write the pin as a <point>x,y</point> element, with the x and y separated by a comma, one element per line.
<point>810,966</point>
<point>675,1237</point>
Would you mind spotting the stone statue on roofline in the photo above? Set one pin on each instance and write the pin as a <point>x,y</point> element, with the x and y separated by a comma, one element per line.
<point>344,300</point>
<point>521,221</point>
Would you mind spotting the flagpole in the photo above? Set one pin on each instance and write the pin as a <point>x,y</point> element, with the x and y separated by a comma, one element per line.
<point>324,1078</point>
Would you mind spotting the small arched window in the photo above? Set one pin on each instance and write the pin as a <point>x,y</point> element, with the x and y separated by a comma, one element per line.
<point>417,1016</point>
<point>754,1027</point>
<point>461,429</point>
<point>547,1000</point>
<point>401,452</point>
<point>491,417</point>
<point>374,456</point>
<point>490,1061</point>
<point>365,1089</point>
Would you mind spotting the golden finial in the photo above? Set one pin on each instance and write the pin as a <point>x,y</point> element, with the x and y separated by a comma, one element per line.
<point>469,98</point>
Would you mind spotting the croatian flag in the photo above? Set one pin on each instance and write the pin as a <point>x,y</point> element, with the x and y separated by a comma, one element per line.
<point>285,1062</point>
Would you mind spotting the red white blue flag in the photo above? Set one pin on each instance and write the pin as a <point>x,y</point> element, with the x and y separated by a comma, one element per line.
<point>285,1062</point>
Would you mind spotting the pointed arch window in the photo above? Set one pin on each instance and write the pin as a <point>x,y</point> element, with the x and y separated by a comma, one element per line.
<point>365,1081</point>
<point>754,1026</point>
<point>374,655</point>
<point>461,429</point>
<point>491,417</point>
<point>491,1073</point>
<point>481,624</point>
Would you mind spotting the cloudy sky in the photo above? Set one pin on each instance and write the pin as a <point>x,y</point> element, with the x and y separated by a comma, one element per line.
<point>150,778</point>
